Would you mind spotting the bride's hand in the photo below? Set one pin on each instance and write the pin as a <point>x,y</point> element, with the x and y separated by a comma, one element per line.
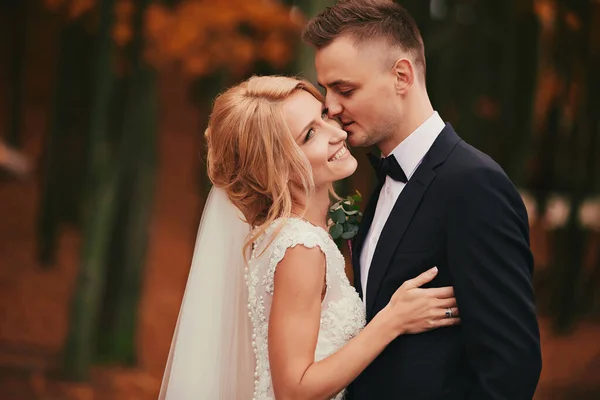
<point>413,309</point>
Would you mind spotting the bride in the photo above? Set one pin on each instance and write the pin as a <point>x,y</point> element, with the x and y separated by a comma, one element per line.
<point>268,311</point>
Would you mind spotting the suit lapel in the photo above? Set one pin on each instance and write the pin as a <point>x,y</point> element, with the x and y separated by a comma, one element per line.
<point>405,208</point>
<point>359,239</point>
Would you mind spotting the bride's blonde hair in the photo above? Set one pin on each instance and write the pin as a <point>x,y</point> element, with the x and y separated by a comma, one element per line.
<point>252,154</point>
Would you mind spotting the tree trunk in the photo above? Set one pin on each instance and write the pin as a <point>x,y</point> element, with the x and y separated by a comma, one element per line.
<point>520,89</point>
<point>17,68</point>
<point>573,47</point>
<point>55,141</point>
<point>305,61</point>
<point>122,337</point>
<point>100,203</point>
<point>138,170</point>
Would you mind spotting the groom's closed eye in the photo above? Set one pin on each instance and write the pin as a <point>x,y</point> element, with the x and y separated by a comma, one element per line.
<point>338,85</point>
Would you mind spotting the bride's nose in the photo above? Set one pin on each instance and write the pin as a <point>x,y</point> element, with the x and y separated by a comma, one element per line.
<point>337,133</point>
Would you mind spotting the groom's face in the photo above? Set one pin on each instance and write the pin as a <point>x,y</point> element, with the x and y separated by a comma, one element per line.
<point>360,89</point>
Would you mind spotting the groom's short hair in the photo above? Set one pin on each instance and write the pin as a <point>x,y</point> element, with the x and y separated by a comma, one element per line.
<point>364,21</point>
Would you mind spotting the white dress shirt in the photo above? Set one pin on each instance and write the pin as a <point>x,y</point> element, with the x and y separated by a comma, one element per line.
<point>409,154</point>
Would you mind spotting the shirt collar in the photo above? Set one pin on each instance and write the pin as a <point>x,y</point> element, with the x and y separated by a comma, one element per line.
<point>411,150</point>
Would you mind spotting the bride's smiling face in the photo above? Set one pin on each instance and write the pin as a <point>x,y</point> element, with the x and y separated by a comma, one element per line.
<point>321,139</point>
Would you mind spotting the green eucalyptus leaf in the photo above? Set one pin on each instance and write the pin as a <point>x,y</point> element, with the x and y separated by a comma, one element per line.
<point>344,218</point>
<point>353,228</point>
<point>350,231</point>
<point>336,231</point>
<point>338,216</point>
<point>347,235</point>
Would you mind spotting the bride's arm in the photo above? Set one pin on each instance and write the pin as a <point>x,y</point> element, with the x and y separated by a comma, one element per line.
<point>295,319</point>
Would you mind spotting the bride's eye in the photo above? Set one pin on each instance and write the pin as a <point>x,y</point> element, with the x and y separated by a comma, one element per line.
<point>309,134</point>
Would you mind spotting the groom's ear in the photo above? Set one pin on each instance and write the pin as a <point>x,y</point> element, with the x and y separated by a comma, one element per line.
<point>404,75</point>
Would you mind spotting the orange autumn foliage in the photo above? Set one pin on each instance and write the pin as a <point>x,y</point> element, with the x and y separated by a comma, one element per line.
<point>206,35</point>
<point>73,9</point>
<point>203,36</point>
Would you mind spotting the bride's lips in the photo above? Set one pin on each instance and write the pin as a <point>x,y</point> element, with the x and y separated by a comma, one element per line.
<point>340,154</point>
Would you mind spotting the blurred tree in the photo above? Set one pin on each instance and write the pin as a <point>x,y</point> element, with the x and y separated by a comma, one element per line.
<point>304,61</point>
<point>590,298</point>
<point>204,37</point>
<point>132,223</point>
<point>481,63</point>
<point>518,98</point>
<point>578,151</point>
<point>18,9</point>
<point>561,170</point>
<point>214,43</point>
<point>64,149</point>
<point>219,43</point>
<point>99,205</point>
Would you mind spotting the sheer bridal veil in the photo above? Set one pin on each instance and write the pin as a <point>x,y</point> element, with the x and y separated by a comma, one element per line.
<point>211,356</point>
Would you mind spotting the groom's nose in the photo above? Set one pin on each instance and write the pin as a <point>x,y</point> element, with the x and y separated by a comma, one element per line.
<point>334,108</point>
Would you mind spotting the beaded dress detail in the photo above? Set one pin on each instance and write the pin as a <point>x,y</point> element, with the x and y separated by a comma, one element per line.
<point>342,311</point>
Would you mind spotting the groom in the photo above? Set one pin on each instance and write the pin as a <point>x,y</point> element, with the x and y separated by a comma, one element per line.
<point>439,202</point>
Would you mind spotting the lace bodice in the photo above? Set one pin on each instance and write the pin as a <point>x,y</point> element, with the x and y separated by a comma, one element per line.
<point>342,311</point>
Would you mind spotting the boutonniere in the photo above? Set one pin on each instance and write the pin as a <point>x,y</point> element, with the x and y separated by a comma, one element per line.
<point>344,218</point>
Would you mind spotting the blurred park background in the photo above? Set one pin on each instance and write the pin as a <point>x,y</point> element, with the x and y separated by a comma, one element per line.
<point>103,105</point>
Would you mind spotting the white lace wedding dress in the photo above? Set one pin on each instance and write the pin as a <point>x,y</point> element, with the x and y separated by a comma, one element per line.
<point>342,311</point>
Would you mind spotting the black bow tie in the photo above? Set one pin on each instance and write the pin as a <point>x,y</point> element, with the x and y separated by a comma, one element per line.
<point>387,166</point>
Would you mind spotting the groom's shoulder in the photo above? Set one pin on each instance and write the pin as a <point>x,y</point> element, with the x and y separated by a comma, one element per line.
<point>471,166</point>
<point>467,157</point>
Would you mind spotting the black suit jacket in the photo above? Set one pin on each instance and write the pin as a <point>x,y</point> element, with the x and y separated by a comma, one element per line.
<point>459,212</point>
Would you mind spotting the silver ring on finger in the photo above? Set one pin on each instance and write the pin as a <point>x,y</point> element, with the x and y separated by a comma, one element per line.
<point>448,312</point>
